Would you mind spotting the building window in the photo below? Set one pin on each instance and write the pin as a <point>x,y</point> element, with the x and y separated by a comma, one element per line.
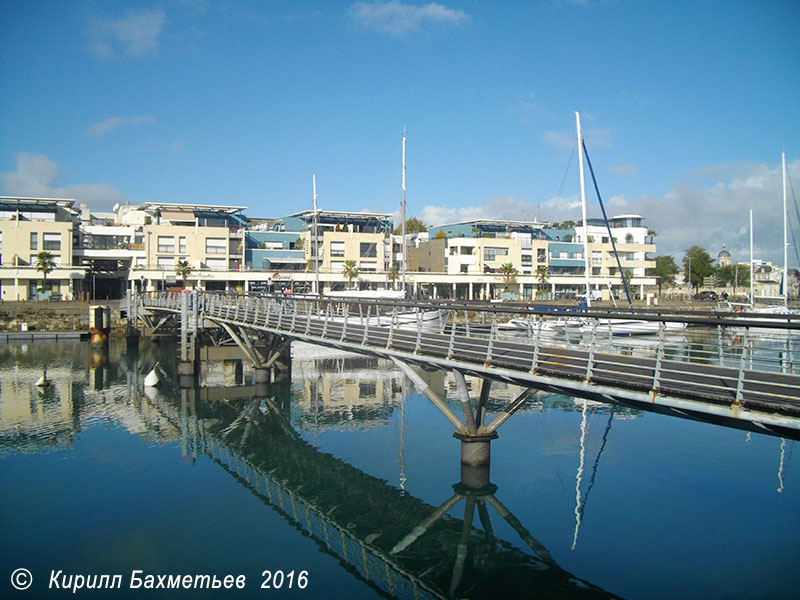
<point>453,250</point>
<point>368,250</point>
<point>166,244</point>
<point>595,270</point>
<point>166,263</point>
<point>34,240</point>
<point>490,253</point>
<point>337,266</point>
<point>182,245</point>
<point>337,248</point>
<point>541,255</point>
<point>466,250</point>
<point>370,265</point>
<point>51,241</point>
<point>527,260</point>
<point>215,246</point>
<point>465,268</point>
<point>216,264</point>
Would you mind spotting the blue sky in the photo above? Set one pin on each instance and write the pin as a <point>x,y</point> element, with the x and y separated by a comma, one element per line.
<point>686,108</point>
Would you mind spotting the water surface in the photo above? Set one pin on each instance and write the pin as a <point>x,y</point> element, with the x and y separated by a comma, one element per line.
<point>346,472</point>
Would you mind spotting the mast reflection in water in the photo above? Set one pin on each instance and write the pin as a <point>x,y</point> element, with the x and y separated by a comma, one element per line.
<point>346,472</point>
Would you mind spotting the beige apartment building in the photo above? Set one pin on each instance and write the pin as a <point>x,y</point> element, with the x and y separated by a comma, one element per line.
<point>29,226</point>
<point>102,255</point>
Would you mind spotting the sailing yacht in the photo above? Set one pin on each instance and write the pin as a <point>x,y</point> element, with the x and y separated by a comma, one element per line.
<point>614,327</point>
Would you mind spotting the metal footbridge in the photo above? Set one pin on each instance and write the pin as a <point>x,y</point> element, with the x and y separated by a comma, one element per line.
<point>728,368</point>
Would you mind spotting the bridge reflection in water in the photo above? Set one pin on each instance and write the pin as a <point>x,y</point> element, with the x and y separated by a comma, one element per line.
<point>396,543</point>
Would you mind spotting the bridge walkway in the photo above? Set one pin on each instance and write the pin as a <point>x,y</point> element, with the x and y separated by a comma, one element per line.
<point>747,391</point>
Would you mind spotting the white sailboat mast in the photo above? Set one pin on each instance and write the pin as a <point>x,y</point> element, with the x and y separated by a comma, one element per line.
<point>314,249</point>
<point>403,219</point>
<point>752,280</point>
<point>785,237</point>
<point>583,211</point>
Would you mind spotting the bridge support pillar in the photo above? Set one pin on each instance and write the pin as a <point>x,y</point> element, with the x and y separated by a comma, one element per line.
<point>262,375</point>
<point>476,452</point>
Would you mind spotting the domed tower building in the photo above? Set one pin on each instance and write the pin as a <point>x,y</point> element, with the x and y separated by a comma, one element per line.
<point>724,258</point>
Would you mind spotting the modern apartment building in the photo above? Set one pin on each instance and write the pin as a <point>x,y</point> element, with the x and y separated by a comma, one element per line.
<point>102,254</point>
<point>549,262</point>
<point>29,226</point>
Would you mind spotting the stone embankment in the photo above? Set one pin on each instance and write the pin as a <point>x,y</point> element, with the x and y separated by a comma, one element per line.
<point>53,316</point>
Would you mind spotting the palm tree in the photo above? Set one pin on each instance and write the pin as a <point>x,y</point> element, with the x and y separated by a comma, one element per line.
<point>393,274</point>
<point>183,270</point>
<point>542,273</point>
<point>509,271</point>
<point>45,264</point>
<point>350,270</point>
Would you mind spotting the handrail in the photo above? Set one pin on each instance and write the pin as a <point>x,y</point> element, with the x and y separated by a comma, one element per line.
<point>737,365</point>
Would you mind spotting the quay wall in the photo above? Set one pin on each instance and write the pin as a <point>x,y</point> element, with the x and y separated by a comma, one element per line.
<point>54,316</point>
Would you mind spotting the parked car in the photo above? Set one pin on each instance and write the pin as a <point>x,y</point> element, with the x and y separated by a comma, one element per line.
<point>705,295</point>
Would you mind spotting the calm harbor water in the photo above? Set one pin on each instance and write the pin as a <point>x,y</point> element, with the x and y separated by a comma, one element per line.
<point>346,473</point>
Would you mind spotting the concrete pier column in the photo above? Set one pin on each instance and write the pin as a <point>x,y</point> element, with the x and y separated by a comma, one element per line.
<point>186,374</point>
<point>476,450</point>
<point>475,461</point>
<point>262,375</point>
<point>99,324</point>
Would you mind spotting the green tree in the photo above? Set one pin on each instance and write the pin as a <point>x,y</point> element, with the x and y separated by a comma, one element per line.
<point>628,238</point>
<point>627,275</point>
<point>393,274</point>
<point>183,270</point>
<point>733,275</point>
<point>665,270</point>
<point>45,264</point>
<point>440,235</point>
<point>350,270</point>
<point>509,271</point>
<point>698,265</point>
<point>413,225</point>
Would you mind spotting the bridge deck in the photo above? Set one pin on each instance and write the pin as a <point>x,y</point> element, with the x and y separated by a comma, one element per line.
<point>535,362</point>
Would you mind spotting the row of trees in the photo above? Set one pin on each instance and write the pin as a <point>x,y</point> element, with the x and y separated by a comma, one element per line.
<point>697,265</point>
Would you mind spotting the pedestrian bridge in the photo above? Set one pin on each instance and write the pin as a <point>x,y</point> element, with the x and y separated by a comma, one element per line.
<point>725,368</point>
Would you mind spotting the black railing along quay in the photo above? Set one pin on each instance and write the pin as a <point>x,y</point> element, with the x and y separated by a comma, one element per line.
<point>742,373</point>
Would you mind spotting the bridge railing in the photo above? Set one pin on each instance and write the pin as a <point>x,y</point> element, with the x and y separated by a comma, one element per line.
<point>721,357</point>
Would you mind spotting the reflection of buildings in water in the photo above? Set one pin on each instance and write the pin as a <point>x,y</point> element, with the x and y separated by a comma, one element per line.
<point>34,419</point>
<point>345,389</point>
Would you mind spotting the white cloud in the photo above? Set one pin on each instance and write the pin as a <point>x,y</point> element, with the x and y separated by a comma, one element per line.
<point>36,175</point>
<point>135,34</point>
<point>501,207</point>
<point>711,210</point>
<point>716,212</point>
<point>397,18</point>
<point>109,125</point>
